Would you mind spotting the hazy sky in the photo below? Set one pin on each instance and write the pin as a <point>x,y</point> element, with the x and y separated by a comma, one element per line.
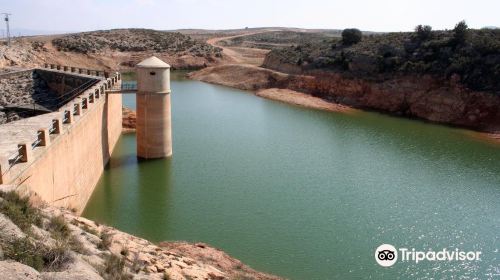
<point>382,15</point>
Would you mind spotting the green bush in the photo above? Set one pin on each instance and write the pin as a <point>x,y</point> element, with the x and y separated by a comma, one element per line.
<point>472,54</point>
<point>58,227</point>
<point>31,253</point>
<point>19,210</point>
<point>114,268</point>
<point>55,257</point>
<point>23,250</point>
<point>460,32</point>
<point>424,32</point>
<point>351,36</point>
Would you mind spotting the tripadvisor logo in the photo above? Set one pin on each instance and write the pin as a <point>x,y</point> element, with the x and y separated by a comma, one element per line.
<point>386,255</point>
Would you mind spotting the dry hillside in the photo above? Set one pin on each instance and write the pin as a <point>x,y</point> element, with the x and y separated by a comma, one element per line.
<point>110,49</point>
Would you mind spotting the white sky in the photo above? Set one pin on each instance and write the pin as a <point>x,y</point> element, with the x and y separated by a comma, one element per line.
<point>382,15</point>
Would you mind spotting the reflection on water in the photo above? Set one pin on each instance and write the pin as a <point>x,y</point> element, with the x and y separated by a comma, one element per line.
<point>307,194</point>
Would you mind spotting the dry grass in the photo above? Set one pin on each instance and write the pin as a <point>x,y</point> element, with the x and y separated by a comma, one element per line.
<point>19,210</point>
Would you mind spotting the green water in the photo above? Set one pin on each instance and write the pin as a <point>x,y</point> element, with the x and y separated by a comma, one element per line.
<point>308,194</point>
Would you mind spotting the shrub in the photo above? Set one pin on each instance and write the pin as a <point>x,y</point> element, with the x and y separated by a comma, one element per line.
<point>351,36</point>
<point>24,251</point>
<point>36,255</point>
<point>460,32</point>
<point>114,268</point>
<point>19,210</point>
<point>105,241</point>
<point>424,32</point>
<point>89,230</point>
<point>58,227</point>
<point>55,257</point>
<point>77,246</point>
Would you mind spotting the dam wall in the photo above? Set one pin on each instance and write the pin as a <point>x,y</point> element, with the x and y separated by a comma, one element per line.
<point>74,144</point>
<point>60,83</point>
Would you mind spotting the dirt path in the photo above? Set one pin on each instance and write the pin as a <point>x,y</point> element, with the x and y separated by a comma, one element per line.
<point>240,55</point>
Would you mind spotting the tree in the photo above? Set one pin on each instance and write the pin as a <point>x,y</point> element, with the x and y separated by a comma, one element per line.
<point>424,32</point>
<point>460,32</point>
<point>351,36</point>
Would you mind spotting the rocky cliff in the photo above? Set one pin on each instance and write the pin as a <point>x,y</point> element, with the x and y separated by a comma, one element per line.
<point>415,96</point>
<point>426,97</point>
<point>448,77</point>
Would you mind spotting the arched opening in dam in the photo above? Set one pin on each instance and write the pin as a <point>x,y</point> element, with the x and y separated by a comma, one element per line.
<point>307,194</point>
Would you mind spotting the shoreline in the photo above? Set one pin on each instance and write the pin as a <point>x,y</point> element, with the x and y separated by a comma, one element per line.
<point>302,100</point>
<point>220,75</point>
<point>90,250</point>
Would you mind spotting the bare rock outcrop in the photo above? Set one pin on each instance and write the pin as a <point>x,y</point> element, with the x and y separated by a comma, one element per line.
<point>415,96</point>
<point>58,245</point>
<point>245,77</point>
<point>10,270</point>
<point>129,117</point>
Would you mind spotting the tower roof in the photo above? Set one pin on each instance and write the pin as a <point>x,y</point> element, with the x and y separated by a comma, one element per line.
<point>152,62</point>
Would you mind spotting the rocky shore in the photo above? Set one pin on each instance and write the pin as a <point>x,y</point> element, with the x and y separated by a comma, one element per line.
<point>44,242</point>
<point>303,100</point>
<point>422,97</point>
<point>129,120</point>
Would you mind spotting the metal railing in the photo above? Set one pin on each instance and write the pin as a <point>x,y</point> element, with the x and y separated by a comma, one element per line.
<point>37,141</point>
<point>18,156</point>
<point>78,70</point>
<point>53,127</point>
<point>21,153</point>
<point>129,86</point>
<point>61,100</point>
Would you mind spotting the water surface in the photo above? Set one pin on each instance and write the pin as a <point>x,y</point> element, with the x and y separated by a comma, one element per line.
<point>307,194</point>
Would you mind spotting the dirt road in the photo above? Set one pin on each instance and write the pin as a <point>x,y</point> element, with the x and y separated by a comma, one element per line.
<point>240,55</point>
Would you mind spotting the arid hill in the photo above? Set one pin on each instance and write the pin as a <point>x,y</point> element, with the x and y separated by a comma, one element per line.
<point>134,40</point>
<point>473,55</point>
<point>110,49</point>
<point>448,77</point>
<point>278,39</point>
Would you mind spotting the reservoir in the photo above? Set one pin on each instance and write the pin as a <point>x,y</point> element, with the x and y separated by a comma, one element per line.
<point>307,194</point>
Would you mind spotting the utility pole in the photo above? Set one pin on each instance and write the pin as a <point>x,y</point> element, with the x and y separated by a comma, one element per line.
<point>8,29</point>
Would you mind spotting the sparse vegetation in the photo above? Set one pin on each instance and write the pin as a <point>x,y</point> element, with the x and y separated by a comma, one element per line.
<point>278,39</point>
<point>56,256</point>
<point>114,268</point>
<point>135,40</point>
<point>105,241</point>
<point>58,227</point>
<point>19,210</point>
<point>25,251</point>
<point>471,55</point>
<point>85,227</point>
<point>28,250</point>
<point>54,245</point>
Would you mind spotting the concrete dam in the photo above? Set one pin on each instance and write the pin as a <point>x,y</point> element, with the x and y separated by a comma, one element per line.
<point>58,127</point>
